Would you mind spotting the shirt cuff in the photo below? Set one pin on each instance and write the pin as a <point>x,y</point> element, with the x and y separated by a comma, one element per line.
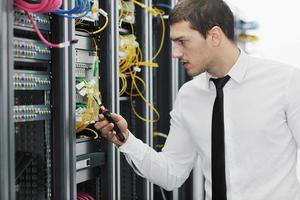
<point>132,147</point>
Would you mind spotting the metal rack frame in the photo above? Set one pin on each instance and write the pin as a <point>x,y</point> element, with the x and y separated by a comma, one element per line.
<point>7,157</point>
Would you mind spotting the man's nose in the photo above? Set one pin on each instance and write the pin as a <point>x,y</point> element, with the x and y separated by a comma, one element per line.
<point>176,53</point>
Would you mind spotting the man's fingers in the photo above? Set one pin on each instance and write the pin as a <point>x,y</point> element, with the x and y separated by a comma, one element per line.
<point>110,135</point>
<point>100,124</point>
<point>115,139</point>
<point>116,117</point>
<point>104,135</point>
<point>101,117</point>
<point>107,128</point>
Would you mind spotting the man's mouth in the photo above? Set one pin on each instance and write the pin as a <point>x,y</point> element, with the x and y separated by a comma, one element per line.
<point>184,63</point>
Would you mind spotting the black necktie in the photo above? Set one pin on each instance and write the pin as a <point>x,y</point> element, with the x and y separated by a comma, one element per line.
<point>217,143</point>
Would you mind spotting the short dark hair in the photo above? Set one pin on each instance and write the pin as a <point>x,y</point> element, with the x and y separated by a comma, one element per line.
<point>203,15</point>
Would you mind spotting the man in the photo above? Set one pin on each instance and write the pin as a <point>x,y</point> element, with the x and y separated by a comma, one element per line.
<point>246,131</point>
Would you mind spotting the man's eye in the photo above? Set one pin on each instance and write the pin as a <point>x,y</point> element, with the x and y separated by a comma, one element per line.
<point>180,42</point>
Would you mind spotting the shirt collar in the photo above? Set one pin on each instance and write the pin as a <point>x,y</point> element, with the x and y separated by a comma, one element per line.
<point>238,70</point>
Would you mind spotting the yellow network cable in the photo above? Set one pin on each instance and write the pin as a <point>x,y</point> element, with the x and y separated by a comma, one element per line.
<point>121,15</point>
<point>162,37</point>
<point>91,110</point>
<point>92,106</point>
<point>135,89</point>
<point>92,90</point>
<point>123,12</point>
<point>155,12</point>
<point>103,13</point>
<point>91,130</point>
<point>133,60</point>
<point>124,84</point>
<point>133,55</point>
<point>134,85</point>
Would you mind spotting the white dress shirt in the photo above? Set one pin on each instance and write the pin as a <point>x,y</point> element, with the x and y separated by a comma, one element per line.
<point>262,133</point>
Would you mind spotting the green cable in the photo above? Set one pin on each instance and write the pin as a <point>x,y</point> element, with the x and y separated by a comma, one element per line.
<point>95,66</point>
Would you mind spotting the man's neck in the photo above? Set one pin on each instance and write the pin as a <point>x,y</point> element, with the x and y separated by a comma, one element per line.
<point>224,61</point>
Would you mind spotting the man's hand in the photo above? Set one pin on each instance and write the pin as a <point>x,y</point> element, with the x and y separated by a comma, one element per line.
<point>106,128</point>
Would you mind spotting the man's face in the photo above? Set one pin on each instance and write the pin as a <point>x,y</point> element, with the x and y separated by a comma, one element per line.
<point>190,47</point>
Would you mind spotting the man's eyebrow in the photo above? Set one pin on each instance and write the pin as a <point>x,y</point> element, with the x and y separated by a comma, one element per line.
<point>177,38</point>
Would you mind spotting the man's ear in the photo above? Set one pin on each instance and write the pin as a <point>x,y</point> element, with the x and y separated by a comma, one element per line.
<point>215,35</point>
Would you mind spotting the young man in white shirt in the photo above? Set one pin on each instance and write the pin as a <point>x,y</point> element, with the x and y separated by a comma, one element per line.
<point>261,113</point>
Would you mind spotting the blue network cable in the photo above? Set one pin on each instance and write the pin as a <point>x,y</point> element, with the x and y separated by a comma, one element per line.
<point>79,10</point>
<point>75,10</point>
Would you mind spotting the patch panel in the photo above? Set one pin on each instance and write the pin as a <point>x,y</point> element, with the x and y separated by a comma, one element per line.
<point>31,81</point>
<point>24,113</point>
<point>21,20</point>
<point>80,72</point>
<point>81,69</point>
<point>80,99</point>
<point>31,49</point>
<point>86,57</point>
<point>85,64</point>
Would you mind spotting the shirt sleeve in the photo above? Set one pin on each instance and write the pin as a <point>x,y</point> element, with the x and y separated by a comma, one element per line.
<point>170,167</point>
<point>293,109</point>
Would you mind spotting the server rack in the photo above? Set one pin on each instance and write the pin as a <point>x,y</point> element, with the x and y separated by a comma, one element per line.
<point>110,182</point>
<point>130,185</point>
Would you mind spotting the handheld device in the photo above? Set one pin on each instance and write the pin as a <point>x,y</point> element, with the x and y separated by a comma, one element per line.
<point>107,116</point>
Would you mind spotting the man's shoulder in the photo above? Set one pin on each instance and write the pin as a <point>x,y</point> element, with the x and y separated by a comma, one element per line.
<point>265,65</point>
<point>261,62</point>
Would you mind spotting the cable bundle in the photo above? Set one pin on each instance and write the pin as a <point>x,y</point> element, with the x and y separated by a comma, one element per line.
<point>45,6</point>
<point>131,60</point>
<point>92,107</point>
<point>81,9</point>
<point>129,64</point>
<point>84,196</point>
<point>90,90</point>
<point>155,12</point>
<point>94,10</point>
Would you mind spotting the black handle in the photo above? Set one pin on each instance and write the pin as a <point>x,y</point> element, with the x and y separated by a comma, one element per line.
<point>115,128</point>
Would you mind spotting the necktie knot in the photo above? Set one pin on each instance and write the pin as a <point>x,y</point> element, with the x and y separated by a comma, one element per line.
<point>220,82</point>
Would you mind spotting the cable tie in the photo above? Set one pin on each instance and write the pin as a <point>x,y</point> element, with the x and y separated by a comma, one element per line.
<point>67,43</point>
<point>102,12</point>
<point>137,69</point>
